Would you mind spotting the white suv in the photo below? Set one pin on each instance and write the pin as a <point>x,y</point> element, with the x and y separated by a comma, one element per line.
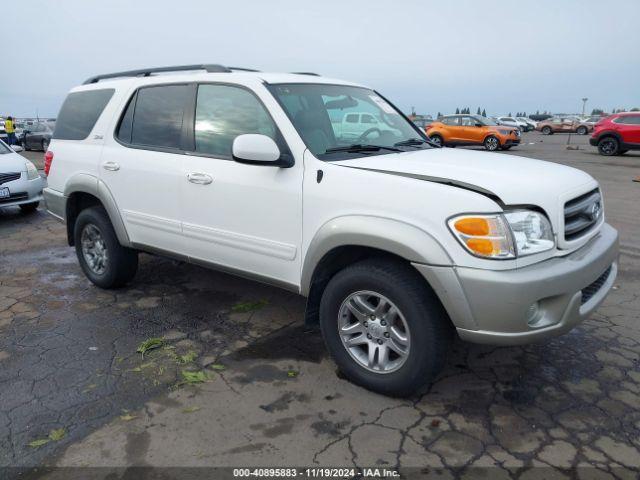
<point>395,243</point>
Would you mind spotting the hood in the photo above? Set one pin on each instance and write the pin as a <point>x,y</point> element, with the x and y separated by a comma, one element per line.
<point>12,162</point>
<point>508,179</point>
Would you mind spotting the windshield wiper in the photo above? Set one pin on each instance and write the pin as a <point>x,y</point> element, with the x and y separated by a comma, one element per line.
<point>359,147</point>
<point>410,142</point>
<point>414,142</point>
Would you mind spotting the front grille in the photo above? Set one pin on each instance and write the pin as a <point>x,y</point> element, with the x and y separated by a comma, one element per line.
<point>590,290</point>
<point>581,214</point>
<point>14,197</point>
<point>9,177</point>
<point>517,132</point>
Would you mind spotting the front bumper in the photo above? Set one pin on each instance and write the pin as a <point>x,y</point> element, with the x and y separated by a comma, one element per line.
<point>494,307</point>
<point>56,203</point>
<point>511,142</point>
<point>23,191</point>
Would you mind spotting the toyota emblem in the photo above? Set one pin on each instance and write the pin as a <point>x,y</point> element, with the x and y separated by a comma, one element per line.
<point>595,210</point>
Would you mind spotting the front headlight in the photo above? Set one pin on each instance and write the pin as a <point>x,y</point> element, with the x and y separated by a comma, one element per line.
<point>532,231</point>
<point>504,236</point>
<point>32,171</point>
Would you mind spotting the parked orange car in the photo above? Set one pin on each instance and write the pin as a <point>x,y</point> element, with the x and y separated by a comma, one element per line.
<point>453,130</point>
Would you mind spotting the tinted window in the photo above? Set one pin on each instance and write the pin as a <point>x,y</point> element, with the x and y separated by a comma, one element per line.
<point>628,120</point>
<point>352,118</point>
<point>158,116</point>
<point>126,124</point>
<point>451,121</point>
<point>224,112</point>
<point>468,122</point>
<point>80,112</point>
<point>368,119</point>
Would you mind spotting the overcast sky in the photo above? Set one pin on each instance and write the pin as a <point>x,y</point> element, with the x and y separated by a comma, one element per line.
<point>504,56</point>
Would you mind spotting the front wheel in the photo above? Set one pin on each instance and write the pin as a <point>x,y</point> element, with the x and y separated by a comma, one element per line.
<point>546,131</point>
<point>29,207</point>
<point>384,328</point>
<point>437,140</point>
<point>491,143</point>
<point>608,146</point>
<point>103,260</point>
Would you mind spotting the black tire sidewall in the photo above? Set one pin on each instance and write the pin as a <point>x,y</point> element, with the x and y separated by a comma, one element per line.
<point>546,130</point>
<point>609,139</point>
<point>439,138</point>
<point>429,338</point>
<point>582,131</point>
<point>121,261</point>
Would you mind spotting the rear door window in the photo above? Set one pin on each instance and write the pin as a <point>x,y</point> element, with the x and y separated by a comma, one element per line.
<point>159,115</point>
<point>80,112</point>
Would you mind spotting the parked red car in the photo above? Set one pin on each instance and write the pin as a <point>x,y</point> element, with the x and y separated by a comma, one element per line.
<point>617,134</point>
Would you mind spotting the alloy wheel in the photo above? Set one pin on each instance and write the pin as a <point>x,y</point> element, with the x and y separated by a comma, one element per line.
<point>608,147</point>
<point>374,332</point>
<point>492,143</point>
<point>94,249</point>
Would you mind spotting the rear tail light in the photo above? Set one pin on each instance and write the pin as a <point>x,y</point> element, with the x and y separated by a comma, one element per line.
<point>48,159</point>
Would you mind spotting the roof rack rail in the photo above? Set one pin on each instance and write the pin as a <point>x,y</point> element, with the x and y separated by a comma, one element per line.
<point>307,73</point>
<point>145,72</point>
<point>242,69</point>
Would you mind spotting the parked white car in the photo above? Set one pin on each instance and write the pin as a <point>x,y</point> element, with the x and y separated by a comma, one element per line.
<point>513,122</point>
<point>531,123</point>
<point>20,183</point>
<point>355,125</point>
<point>395,243</point>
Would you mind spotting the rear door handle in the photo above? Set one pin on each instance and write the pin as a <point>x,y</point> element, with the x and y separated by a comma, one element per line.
<point>111,166</point>
<point>199,178</point>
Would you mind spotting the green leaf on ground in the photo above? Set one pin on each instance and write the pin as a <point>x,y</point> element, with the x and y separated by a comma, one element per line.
<point>57,434</point>
<point>190,409</point>
<point>218,366</point>
<point>127,417</point>
<point>39,443</point>
<point>194,377</point>
<point>150,344</point>
<point>292,373</point>
<point>244,307</point>
<point>187,357</point>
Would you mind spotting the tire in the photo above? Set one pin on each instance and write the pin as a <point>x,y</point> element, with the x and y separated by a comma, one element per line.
<point>421,316</point>
<point>608,146</point>
<point>114,265</point>
<point>45,145</point>
<point>437,139</point>
<point>491,143</point>
<point>547,131</point>
<point>29,207</point>
<point>23,144</point>
<point>582,130</point>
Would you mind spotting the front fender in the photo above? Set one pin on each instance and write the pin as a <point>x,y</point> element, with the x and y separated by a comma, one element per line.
<point>399,238</point>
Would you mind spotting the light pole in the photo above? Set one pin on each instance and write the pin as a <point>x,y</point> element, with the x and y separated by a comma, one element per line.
<point>584,105</point>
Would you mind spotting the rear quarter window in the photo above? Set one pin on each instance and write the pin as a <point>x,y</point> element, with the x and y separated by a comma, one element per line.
<point>80,112</point>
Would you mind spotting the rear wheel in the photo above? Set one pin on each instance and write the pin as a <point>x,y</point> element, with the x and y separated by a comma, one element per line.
<point>103,260</point>
<point>23,144</point>
<point>29,207</point>
<point>582,130</point>
<point>45,145</point>
<point>437,139</point>
<point>383,327</point>
<point>608,146</point>
<point>491,143</point>
<point>547,131</point>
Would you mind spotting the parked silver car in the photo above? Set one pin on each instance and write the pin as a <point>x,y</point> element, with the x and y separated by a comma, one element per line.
<point>20,183</point>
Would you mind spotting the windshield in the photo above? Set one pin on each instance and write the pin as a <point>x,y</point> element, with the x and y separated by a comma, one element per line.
<point>486,121</point>
<point>337,122</point>
<point>4,148</point>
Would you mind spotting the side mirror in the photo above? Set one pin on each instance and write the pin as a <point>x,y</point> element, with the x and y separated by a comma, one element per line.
<point>16,148</point>
<point>258,149</point>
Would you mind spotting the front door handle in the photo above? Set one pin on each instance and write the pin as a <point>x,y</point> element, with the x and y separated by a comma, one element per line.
<point>111,166</point>
<point>199,178</point>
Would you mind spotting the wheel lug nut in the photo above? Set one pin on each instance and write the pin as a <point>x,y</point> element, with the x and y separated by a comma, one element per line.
<point>366,324</point>
<point>369,336</point>
<point>372,317</point>
<point>386,334</point>
<point>379,342</point>
<point>383,323</point>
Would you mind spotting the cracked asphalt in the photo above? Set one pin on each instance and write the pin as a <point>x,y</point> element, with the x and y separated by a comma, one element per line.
<point>271,397</point>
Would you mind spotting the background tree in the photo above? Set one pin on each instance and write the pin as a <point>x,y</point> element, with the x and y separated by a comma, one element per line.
<point>510,114</point>
<point>439,115</point>
<point>484,112</point>
<point>479,112</point>
<point>457,111</point>
<point>635,109</point>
